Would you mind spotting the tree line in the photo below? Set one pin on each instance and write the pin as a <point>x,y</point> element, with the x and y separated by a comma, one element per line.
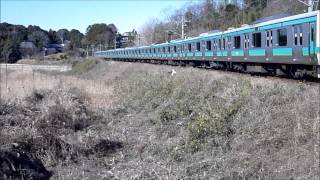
<point>208,15</point>
<point>17,41</point>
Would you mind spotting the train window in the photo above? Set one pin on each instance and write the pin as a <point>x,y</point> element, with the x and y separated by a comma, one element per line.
<point>282,37</point>
<point>295,34</point>
<point>269,38</point>
<point>175,49</point>
<point>312,32</point>
<point>246,41</point>
<point>209,45</point>
<point>198,46</point>
<point>237,42</point>
<point>169,49</point>
<point>189,47</point>
<point>220,47</point>
<point>224,43</point>
<point>267,35</point>
<point>257,39</point>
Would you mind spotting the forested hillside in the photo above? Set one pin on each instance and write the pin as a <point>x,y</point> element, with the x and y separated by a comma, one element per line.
<point>208,15</point>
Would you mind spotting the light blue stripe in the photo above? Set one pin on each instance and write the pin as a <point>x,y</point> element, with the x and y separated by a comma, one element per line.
<point>210,54</point>
<point>282,52</point>
<point>257,52</point>
<point>198,54</point>
<point>299,21</point>
<point>305,51</point>
<point>237,53</point>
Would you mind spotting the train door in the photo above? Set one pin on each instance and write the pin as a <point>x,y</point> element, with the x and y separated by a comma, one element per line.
<point>269,44</point>
<point>312,36</point>
<point>246,46</point>
<point>298,43</point>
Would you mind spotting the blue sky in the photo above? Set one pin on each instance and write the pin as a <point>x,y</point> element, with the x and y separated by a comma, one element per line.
<point>78,14</point>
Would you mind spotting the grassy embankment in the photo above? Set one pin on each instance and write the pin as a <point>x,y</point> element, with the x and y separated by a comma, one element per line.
<point>195,124</point>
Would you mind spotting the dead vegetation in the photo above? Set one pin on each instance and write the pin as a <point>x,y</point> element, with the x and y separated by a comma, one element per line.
<point>196,124</point>
<point>54,126</point>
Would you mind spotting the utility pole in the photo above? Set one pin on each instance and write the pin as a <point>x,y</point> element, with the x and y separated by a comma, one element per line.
<point>87,51</point>
<point>182,27</point>
<point>183,24</point>
<point>310,8</point>
<point>115,41</point>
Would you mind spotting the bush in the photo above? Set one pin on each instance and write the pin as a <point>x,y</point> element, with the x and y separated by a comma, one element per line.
<point>84,66</point>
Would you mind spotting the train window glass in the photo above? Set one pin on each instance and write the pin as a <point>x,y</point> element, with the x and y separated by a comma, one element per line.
<point>208,45</point>
<point>189,47</point>
<point>256,39</point>
<point>282,37</point>
<point>245,42</point>
<point>169,49</point>
<point>267,39</point>
<point>237,42</point>
<point>301,34</point>
<point>198,46</point>
<point>312,32</point>
<point>295,35</point>
<point>224,43</point>
<point>220,44</point>
<point>175,49</point>
<point>271,39</point>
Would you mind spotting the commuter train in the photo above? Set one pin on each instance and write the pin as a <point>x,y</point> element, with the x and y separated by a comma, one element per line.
<point>284,46</point>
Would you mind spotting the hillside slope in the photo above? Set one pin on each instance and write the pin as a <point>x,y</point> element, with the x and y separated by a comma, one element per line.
<point>192,125</point>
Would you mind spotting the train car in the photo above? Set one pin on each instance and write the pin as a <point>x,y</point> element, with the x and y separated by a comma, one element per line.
<point>289,45</point>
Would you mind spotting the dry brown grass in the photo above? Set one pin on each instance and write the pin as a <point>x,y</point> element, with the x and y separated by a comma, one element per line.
<point>197,124</point>
<point>22,83</point>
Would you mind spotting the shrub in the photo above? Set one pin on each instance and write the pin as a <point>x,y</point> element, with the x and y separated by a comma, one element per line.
<point>84,66</point>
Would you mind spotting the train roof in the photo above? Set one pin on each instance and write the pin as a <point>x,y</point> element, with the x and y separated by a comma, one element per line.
<point>228,32</point>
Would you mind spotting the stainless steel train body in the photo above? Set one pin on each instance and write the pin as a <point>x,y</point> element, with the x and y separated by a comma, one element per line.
<point>286,45</point>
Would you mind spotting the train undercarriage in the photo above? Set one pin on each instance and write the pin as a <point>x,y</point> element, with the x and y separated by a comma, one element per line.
<point>294,71</point>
